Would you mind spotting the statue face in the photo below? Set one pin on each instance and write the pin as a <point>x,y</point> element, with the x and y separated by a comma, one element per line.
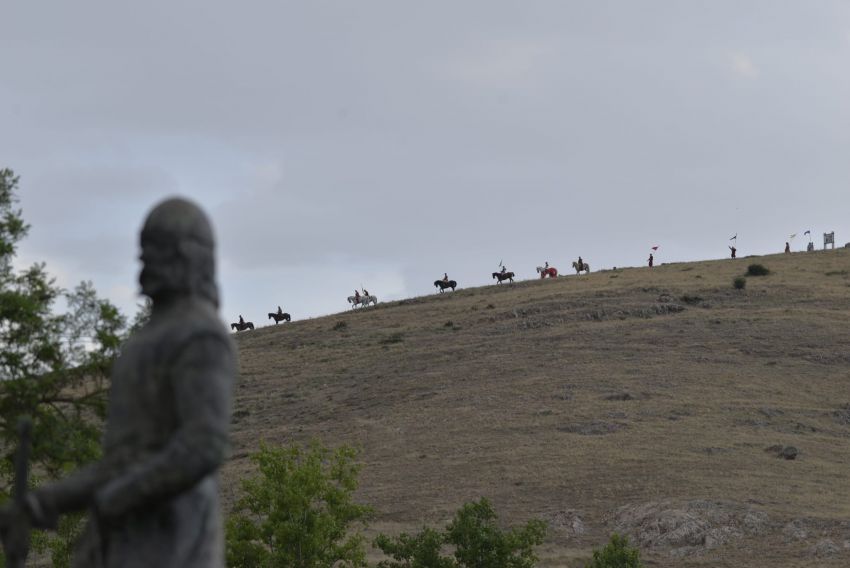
<point>160,269</point>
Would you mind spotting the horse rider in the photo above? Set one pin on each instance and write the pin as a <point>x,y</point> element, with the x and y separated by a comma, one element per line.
<point>504,269</point>
<point>356,296</point>
<point>241,321</point>
<point>580,264</point>
<point>365,293</point>
<point>446,277</point>
<point>279,311</point>
<point>546,266</point>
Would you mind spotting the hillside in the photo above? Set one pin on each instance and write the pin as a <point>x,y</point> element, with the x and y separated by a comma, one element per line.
<point>636,400</point>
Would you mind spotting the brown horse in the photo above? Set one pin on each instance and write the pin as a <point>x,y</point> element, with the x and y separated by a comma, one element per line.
<point>279,317</point>
<point>499,276</point>
<point>551,272</point>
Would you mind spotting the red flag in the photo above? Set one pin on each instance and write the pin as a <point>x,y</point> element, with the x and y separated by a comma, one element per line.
<point>655,247</point>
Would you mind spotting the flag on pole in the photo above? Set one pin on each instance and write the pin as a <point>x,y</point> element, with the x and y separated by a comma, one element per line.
<point>734,238</point>
<point>791,238</point>
<point>807,233</point>
<point>655,247</point>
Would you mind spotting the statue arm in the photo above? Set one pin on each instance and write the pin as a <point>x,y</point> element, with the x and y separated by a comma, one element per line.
<point>72,493</point>
<point>202,377</point>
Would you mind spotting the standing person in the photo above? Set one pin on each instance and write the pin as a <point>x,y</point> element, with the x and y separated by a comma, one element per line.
<point>651,260</point>
<point>734,250</point>
<point>787,248</point>
<point>153,499</point>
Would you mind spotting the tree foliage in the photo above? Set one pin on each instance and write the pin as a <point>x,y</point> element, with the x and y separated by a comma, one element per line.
<point>477,540</point>
<point>616,554</point>
<point>298,511</point>
<point>53,366</point>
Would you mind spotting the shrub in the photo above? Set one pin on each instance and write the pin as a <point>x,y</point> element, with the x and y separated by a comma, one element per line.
<point>757,270</point>
<point>479,543</point>
<point>392,338</point>
<point>340,325</point>
<point>691,300</point>
<point>739,283</point>
<point>477,540</point>
<point>616,554</point>
<point>298,511</point>
<point>421,550</point>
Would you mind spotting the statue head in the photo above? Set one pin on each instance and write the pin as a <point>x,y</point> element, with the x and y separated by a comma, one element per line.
<point>178,252</point>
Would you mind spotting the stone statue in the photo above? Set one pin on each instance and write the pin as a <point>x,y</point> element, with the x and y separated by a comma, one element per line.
<point>153,498</point>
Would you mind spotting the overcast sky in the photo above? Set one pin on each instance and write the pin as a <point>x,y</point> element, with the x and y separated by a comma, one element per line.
<point>340,144</point>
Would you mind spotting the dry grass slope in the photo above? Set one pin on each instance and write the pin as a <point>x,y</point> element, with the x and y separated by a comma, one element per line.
<point>635,400</point>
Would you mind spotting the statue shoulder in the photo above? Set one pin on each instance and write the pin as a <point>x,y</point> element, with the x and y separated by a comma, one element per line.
<point>192,322</point>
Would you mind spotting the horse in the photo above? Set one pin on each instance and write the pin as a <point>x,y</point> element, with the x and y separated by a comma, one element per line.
<point>442,285</point>
<point>363,301</point>
<point>279,317</point>
<point>551,272</point>
<point>585,267</point>
<point>499,276</point>
<point>241,327</point>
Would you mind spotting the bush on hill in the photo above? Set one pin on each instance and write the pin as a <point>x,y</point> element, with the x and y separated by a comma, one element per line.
<point>474,535</point>
<point>616,554</point>
<point>739,283</point>
<point>757,270</point>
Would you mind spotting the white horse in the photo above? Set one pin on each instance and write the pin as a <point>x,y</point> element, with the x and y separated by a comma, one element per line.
<point>585,266</point>
<point>363,301</point>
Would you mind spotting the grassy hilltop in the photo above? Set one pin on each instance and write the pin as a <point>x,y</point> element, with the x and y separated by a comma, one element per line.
<point>640,401</point>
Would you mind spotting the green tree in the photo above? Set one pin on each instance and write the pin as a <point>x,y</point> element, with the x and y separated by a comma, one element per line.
<point>53,367</point>
<point>422,550</point>
<point>616,554</point>
<point>298,511</point>
<point>477,540</point>
<point>479,543</point>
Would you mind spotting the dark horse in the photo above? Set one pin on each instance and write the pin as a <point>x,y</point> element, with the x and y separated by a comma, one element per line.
<point>242,327</point>
<point>279,317</point>
<point>442,285</point>
<point>503,276</point>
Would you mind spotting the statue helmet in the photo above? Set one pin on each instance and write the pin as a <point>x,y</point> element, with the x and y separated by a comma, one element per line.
<point>177,219</point>
<point>180,229</point>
